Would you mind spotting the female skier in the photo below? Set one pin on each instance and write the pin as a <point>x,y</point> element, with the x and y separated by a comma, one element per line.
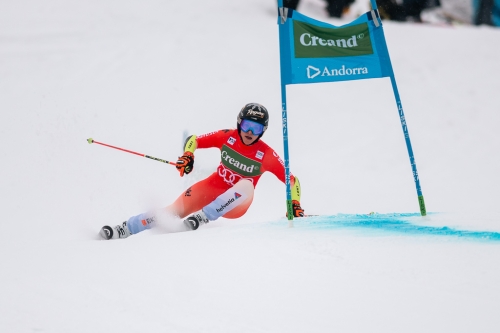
<point>228,192</point>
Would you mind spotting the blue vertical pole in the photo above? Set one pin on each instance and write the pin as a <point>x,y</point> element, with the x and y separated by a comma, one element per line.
<point>402,119</point>
<point>284,119</point>
<point>421,201</point>
<point>285,72</point>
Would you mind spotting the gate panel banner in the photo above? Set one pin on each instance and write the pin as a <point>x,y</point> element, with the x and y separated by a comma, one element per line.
<point>313,51</point>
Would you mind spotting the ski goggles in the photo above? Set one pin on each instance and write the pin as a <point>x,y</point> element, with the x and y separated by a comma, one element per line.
<point>248,125</point>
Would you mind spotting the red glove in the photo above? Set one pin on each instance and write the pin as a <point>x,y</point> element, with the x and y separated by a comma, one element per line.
<point>185,163</point>
<point>297,210</point>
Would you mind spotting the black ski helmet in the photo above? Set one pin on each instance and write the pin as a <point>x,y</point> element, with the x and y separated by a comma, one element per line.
<point>254,112</point>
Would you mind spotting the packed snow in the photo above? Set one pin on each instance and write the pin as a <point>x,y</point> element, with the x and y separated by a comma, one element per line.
<point>142,75</point>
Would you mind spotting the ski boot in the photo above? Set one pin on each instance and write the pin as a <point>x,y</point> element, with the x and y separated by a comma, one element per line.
<point>194,221</point>
<point>119,231</point>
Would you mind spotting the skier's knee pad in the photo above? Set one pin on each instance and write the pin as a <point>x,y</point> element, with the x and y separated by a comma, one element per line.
<point>246,186</point>
<point>239,195</point>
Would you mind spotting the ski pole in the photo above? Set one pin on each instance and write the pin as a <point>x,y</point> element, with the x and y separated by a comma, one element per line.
<point>91,141</point>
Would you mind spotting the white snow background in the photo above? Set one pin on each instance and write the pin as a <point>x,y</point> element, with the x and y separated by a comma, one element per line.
<point>140,74</point>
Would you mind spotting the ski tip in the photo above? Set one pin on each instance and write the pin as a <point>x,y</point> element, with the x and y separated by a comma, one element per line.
<point>106,232</point>
<point>90,140</point>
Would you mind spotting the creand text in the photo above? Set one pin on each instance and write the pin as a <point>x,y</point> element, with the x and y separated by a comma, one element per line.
<point>237,164</point>
<point>307,40</point>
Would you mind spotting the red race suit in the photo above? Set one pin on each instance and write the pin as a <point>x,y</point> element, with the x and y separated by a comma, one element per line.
<point>238,161</point>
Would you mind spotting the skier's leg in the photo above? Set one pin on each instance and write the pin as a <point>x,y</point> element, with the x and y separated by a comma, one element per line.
<point>191,200</point>
<point>233,203</point>
<point>202,194</point>
<point>239,197</point>
<point>242,207</point>
<point>133,225</point>
<point>198,196</point>
<point>141,222</point>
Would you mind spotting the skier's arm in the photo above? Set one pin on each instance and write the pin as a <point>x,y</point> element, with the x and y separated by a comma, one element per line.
<point>275,165</point>
<point>190,145</point>
<point>209,140</point>
<point>185,163</point>
<point>297,209</point>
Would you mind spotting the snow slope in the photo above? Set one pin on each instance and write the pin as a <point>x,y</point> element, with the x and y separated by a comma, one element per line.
<point>142,74</point>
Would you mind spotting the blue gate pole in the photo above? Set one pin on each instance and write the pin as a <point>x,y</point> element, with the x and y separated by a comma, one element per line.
<point>421,201</point>
<point>284,118</point>
<point>285,73</point>
<point>402,119</point>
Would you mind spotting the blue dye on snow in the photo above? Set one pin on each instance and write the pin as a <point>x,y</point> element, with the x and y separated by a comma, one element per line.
<point>393,223</point>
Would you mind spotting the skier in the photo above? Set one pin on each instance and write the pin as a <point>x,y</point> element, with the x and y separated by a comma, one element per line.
<point>228,192</point>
